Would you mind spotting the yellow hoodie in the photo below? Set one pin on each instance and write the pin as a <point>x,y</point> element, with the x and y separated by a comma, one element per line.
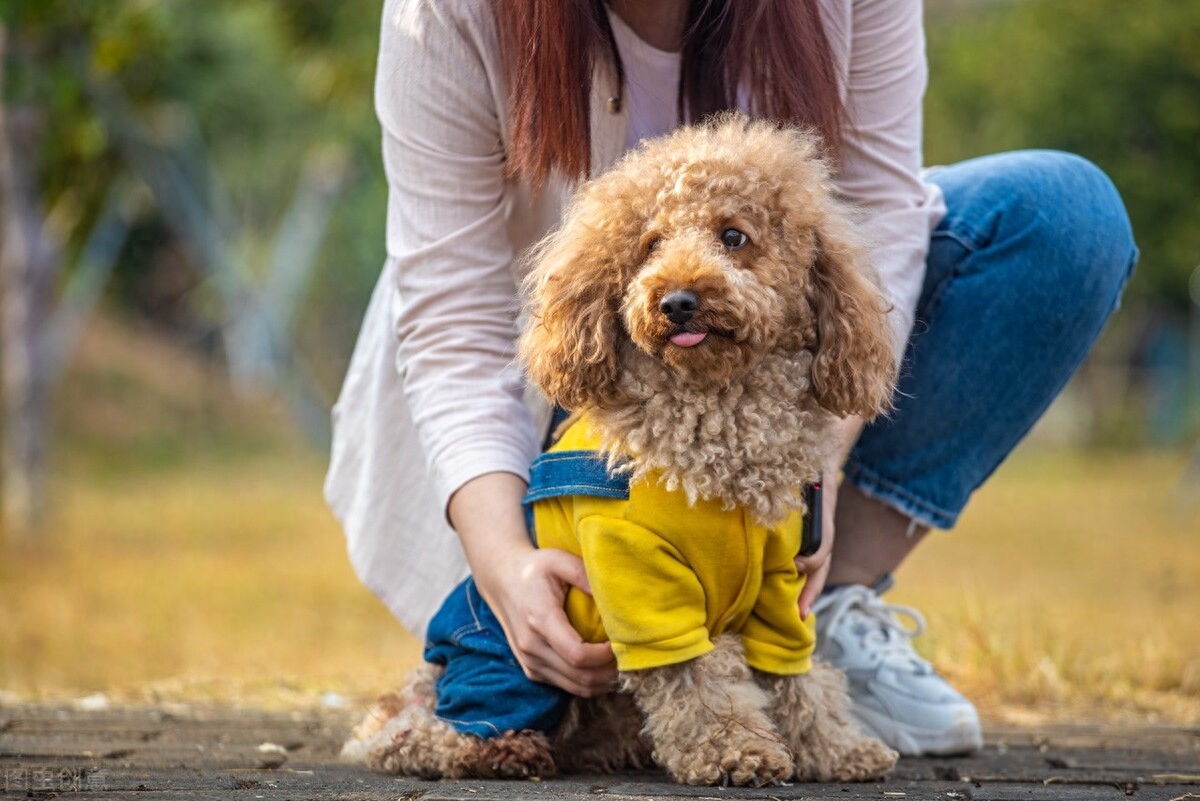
<point>667,577</point>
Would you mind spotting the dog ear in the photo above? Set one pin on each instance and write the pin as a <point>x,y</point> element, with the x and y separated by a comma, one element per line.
<point>854,371</point>
<point>571,338</point>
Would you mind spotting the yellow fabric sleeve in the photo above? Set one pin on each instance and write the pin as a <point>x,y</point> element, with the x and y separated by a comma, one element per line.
<point>777,640</point>
<point>654,606</point>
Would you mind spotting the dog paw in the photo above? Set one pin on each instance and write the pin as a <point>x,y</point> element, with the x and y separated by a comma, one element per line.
<point>865,760</point>
<point>750,760</point>
<point>760,763</point>
<point>517,755</point>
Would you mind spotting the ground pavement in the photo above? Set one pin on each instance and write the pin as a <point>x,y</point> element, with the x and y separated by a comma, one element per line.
<point>181,753</point>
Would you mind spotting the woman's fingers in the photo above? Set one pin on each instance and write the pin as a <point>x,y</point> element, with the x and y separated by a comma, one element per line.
<point>545,643</point>
<point>812,589</point>
<point>816,567</point>
<point>566,568</point>
<point>585,669</point>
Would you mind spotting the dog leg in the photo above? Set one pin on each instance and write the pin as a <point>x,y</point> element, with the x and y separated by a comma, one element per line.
<point>812,712</point>
<point>401,734</point>
<point>514,755</point>
<point>601,735</point>
<point>707,720</point>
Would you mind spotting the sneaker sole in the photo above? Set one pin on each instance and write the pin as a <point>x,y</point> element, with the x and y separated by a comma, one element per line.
<point>964,737</point>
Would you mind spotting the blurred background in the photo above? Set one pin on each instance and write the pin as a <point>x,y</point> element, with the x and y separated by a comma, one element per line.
<point>191,220</point>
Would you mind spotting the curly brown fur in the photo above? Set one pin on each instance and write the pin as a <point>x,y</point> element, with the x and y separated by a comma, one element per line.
<point>514,755</point>
<point>751,444</point>
<point>734,403</point>
<point>601,735</point>
<point>401,734</point>
<point>794,326</point>
<point>707,719</point>
<point>812,714</point>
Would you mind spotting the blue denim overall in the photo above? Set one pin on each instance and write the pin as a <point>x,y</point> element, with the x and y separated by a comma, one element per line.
<point>483,690</point>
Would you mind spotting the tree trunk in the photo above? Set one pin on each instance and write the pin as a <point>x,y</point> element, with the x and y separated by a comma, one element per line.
<point>23,393</point>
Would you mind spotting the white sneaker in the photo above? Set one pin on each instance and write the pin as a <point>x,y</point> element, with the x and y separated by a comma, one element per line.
<point>895,694</point>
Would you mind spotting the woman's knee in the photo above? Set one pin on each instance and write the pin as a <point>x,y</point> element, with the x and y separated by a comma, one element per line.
<point>1059,210</point>
<point>1084,218</point>
<point>1079,200</point>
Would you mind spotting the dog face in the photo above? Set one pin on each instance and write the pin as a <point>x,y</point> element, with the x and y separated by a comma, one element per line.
<point>698,254</point>
<point>705,301</point>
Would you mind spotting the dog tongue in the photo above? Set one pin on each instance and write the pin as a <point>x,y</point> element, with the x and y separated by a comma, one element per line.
<point>686,339</point>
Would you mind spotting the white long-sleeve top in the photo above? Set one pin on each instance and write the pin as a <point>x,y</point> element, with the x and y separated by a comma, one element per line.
<point>432,398</point>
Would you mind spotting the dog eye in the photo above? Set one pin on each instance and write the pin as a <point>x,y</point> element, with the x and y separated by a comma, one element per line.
<point>733,239</point>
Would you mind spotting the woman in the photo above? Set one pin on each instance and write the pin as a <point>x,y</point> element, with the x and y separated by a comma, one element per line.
<point>1008,266</point>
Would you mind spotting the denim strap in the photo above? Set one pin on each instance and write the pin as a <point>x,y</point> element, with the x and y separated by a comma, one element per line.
<point>558,473</point>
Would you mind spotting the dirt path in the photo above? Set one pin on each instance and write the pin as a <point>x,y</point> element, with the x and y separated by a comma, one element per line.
<point>183,753</point>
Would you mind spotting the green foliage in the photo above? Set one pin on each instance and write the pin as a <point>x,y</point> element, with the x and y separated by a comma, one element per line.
<point>1116,82</point>
<point>265,84</point>
<point>244,90</point>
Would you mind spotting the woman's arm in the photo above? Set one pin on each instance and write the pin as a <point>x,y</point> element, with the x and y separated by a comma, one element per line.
<point>816,567</point>
<point>885,79</point>
<point>880,170</point>
<point>447,236</point>
<point>438,94</point>
<point>526,587</point>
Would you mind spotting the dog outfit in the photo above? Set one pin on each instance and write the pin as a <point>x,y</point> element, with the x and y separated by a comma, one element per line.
<point>668,576</point>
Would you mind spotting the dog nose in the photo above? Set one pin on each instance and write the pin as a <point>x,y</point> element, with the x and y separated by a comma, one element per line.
<point>679,306</point>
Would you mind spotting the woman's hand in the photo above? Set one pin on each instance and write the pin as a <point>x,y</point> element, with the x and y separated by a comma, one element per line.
<point>816,567</point>
<point>526,587</point>
<point>527,596</point>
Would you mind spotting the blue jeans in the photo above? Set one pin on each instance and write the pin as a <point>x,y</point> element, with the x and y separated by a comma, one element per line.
<point>483,690</point>
<point>1022,274</point>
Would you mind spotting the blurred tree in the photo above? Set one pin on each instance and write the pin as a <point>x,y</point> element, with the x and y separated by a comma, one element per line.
<point>22,266</point>
<point>246,109</point>
<point>248,97</point>
<point>1116,82</point>
<point>260,83</point>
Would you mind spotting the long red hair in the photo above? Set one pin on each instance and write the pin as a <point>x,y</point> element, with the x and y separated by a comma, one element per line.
<point>776,49</point>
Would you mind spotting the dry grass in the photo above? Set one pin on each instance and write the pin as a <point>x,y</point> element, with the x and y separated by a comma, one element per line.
<point>189,553</point>
<point>229,582</point>
<point>184,564</point>
<point>1069,588</point>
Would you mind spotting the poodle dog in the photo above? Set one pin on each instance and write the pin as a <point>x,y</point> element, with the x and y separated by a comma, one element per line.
<point>706,311</point>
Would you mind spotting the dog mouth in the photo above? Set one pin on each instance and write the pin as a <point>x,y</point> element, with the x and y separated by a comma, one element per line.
<point>689,337</point>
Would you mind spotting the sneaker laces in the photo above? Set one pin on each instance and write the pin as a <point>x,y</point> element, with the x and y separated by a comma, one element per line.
<point>876,624</point>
